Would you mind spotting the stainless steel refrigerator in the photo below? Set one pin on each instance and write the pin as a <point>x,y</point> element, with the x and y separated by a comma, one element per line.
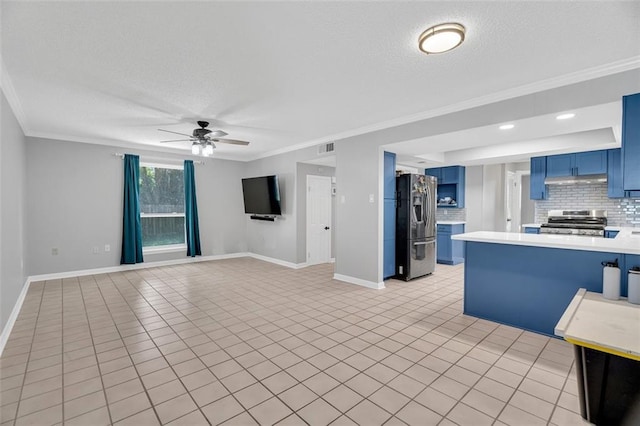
<point>415,226</point>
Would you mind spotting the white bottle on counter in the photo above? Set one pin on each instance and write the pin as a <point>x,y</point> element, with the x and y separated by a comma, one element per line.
<point>634,286</point>
<point>611,280</point>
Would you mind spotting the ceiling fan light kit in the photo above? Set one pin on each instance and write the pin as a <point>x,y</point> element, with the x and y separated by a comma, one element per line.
<point>441,38</point>
<point>202,142</point>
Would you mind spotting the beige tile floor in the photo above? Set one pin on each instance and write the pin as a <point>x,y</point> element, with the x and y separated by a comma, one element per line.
<point>246,342</point>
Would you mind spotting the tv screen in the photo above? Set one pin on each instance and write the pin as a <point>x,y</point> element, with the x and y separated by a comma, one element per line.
<point>261,195</point>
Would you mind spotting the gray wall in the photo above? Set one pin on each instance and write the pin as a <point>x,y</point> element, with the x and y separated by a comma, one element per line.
<point>75,204</point>
<point>473,200</point>
<point>493,198</point>
<point>358,222</point>
<point>279,239</point>
<point>13,268</point>
<point>528,206</point>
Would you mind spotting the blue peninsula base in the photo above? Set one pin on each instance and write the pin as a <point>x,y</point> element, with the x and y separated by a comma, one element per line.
<point>528,287</point>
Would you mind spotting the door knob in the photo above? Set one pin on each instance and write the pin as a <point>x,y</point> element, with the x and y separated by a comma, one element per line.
<point>326,228</point>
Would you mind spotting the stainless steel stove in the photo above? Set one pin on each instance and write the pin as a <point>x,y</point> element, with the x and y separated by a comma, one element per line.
<point>589,223</point>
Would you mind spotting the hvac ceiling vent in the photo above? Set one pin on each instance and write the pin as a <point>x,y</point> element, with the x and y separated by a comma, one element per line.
<point>324,148</point>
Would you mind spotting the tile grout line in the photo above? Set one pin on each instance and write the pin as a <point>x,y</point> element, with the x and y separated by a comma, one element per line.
<point>104,391</point>
<point>15,419</point>
<point>133,364</point>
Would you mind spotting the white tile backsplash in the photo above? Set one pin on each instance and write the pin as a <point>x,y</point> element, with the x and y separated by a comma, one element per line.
<point>450,214</point>
<point>620,211</point>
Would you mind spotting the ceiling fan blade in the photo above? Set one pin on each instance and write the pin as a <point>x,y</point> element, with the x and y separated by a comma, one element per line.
<point>231,141</point>
<point>181,134</point>
<point>176,140</point>
<point>217,133</point>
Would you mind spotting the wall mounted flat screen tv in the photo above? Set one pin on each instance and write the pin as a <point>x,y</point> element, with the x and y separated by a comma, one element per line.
<point>261,195</point>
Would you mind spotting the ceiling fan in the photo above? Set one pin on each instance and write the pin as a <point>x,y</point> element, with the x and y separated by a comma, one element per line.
<point>202,139</point>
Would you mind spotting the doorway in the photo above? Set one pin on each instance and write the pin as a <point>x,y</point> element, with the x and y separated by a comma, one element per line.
<point>518,207</point>
<point>318,219</point>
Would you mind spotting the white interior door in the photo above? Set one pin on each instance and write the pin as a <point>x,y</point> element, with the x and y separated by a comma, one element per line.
<point>318,219</point>
<point>512,202</point>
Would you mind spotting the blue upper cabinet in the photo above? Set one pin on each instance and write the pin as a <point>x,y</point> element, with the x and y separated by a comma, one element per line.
<point>591,163</point>
<point>451,175</point>
<point>631,142</point>
<point>451,185</point>
<point>538,190</point>
<point>389,175</point>
<point>614,175</point>
<point>560,165</point>
<point>436,171</point>
<point>389,218</point>
<point>579,164</point>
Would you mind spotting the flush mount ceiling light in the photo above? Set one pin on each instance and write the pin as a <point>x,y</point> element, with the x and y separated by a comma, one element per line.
<point>441,38</point>
<point>565,116</point>
<point>507,126</point>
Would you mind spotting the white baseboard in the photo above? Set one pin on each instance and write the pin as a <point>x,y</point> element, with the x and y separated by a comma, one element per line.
<point>277,261</point>
<point>144,265</point>
<point>6,331</point>
<point>358,281</point>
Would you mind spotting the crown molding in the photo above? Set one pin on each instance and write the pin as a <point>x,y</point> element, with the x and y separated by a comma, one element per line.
<point>6,84</point>
<point>527,89</point>
<point>129,145</point>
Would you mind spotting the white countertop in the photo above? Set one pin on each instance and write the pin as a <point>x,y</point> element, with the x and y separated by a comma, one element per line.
<point>606,228</point>
<point>450,222</point>
<point>625,242</point>
<point>607,325</point>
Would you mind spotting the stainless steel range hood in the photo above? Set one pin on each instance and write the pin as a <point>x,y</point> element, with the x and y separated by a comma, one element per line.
<point>574,180</point>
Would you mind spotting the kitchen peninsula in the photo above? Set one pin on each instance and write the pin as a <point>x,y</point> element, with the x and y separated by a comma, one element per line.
<point>528,280</point>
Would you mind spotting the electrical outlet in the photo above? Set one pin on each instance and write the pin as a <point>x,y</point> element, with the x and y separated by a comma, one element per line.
<point>54,251</point>
<point>371,199</point>
<point>107,248</point>
<point>96,250</point>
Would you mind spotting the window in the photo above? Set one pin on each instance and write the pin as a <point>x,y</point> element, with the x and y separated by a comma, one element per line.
<point>162,206</point>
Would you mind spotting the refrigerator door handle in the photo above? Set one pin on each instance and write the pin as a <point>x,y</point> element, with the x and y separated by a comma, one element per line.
<point>428,208</point>
<point>424,243</point>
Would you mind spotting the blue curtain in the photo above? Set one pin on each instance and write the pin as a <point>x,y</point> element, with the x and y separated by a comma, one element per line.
<point>191,210</point>
<point>131,227</point>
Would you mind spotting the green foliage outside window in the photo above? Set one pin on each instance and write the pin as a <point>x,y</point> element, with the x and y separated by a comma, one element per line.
<point>162,197</point>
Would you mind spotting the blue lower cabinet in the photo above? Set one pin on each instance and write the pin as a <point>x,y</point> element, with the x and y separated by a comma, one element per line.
<point>389,256</point>
<point>443,245</point>
<point>531,230</point>
<point>448,251</point>
<point>528,287</point>
<point>610,234</point>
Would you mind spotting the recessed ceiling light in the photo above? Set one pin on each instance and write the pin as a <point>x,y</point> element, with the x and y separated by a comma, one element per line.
<point>441,38</point>
<point>507,126</point>
<point>565,116</point>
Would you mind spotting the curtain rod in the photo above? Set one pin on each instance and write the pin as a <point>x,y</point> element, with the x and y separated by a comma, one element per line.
<point>144,157</point>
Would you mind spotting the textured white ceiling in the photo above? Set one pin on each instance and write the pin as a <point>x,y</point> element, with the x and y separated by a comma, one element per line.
<point>286,73</point>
